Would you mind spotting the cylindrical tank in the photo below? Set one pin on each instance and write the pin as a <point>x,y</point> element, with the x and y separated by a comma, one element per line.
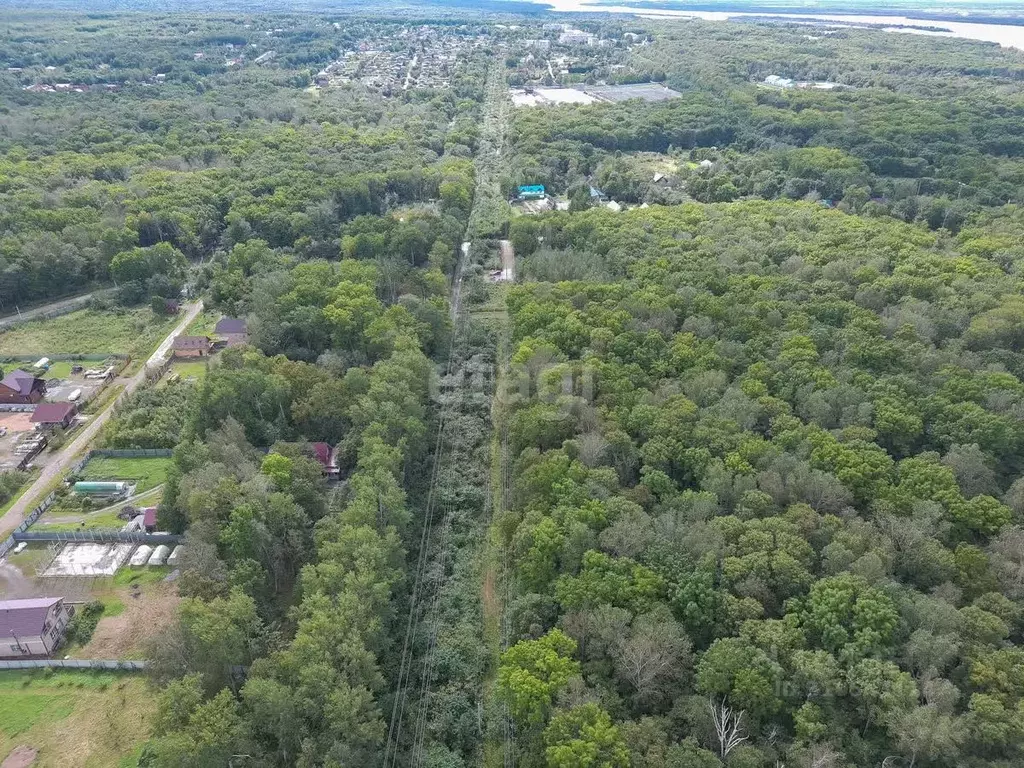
<point>100,486</point>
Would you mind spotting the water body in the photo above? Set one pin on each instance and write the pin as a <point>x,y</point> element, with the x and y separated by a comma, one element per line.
<point>1006,35</point>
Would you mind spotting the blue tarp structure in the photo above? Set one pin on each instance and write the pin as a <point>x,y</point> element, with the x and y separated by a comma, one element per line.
<point>528,191</point>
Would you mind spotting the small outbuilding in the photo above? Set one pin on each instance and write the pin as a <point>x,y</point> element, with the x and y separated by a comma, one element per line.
<point>191,346</point>
<point>53,415</point>
<point>149,519</point>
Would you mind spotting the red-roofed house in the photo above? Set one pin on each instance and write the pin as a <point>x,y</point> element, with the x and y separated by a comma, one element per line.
<point>33,627</point>
<point>149,519</point>
<point>53,415</point>
<point>322,453</point>
<point>21,388</point>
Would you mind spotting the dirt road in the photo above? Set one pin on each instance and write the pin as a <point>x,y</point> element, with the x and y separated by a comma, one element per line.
<point>75,302</point>
<point>71,452</point>
<point>508,261</point>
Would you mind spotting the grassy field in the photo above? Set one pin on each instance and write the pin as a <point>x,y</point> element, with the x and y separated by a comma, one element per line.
<point>135,332</point>
<point>203,325</point>
<point>145,473</point>
<point>75,719</point>
<point>192,369</point>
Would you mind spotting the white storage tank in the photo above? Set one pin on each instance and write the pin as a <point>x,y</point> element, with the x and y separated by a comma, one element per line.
<point>141,556</point>
<point>172,559</point>
<point>160,554</point>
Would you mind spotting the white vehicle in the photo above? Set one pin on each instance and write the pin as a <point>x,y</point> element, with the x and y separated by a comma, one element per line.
<point>74,395</point>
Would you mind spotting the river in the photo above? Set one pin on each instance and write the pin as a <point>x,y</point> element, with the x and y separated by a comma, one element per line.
<point>1006,35</point>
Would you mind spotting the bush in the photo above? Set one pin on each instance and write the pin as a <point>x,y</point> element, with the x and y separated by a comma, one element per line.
<point>84,624</point>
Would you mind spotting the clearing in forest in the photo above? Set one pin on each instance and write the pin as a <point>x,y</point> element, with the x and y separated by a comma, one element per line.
<point>132,332</point>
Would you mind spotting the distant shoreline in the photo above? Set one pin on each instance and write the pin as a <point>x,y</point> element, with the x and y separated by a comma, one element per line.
<point>986,15</point>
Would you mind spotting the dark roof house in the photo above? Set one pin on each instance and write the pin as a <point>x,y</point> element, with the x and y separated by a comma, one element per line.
<point>21,387</point>
<point>191,346</point>
<point>32,627</point>
<point>230,326</point>
<point>53,414</point>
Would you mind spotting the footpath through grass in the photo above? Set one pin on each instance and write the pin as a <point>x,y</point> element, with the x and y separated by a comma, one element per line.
<point>88,331</point>
<point>75,719</point>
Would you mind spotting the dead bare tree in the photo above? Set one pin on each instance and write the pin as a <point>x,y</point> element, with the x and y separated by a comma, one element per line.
<point>727,726</point>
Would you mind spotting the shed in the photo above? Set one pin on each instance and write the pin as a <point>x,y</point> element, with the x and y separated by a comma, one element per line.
<point>52,415</point>
<point>149,519</point>
<point>160,555</point>
<point>141,556</point>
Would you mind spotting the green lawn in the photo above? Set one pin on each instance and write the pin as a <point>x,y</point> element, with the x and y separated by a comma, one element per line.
<point>204,324</point>
<point>145,473</point>
<point>192,369</point>
<point>135,332</point>
<point>75,719</point>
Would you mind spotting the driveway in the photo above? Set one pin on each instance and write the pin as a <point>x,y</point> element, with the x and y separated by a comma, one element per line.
<point>58,466</point>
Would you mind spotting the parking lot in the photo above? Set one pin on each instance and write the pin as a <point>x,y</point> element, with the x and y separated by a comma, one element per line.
<point>60,390</point>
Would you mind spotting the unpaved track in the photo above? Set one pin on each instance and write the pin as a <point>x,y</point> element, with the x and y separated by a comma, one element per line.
<point>16,514</point>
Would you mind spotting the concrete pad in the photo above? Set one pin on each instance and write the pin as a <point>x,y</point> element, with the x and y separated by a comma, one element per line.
<point>89,559</point>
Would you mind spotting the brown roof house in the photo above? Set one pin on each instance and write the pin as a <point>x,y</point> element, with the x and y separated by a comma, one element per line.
<point>21,388</point>
<point>233,330</point>
<point>191,346</point>
<point>34,627</point>
<point>53,415</point>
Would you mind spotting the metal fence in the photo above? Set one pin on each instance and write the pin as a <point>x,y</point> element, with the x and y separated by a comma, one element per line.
<point>100,357</point>
<point>99,537</point>
<point>9,543</point>
<point>115,664</point>
<point>131,453</point>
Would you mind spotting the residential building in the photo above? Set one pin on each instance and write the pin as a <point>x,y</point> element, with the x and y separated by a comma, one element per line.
<point>191,346</point>
<point>531,192</point>
<point>53,415</point>
<point>33,627</point>
<point>327,458</point>
<point>233,330</point>
<point>21,388</point>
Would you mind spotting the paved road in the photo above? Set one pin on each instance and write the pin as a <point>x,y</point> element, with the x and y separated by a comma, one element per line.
<point>75,302</point>
<point>16,514</point>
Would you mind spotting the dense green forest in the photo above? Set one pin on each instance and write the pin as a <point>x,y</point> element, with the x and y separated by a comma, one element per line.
<point>768,470</point>
<point>735,478</point>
